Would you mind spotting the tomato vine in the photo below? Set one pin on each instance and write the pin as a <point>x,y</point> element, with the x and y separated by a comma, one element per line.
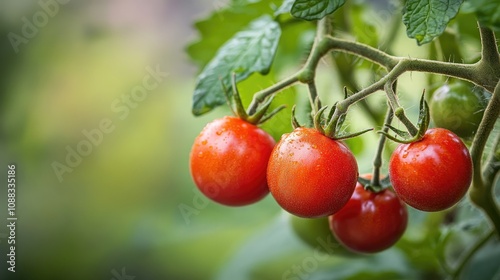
<point>484,73</point>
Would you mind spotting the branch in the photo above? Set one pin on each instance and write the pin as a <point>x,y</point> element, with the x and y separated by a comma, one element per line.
<point>261,95</point>
<point>491,167</point>
<point>361,50</point>
<point>481,193</point>
<point>377,161</point>
<point>487,124</point>
<point>489,50</point>
<point>483,73</point>
<point>465,259</point>
<point>489,65</point>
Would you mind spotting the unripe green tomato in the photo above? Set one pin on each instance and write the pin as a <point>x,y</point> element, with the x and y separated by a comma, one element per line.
<point>458,108</point>
<point>316,233</point>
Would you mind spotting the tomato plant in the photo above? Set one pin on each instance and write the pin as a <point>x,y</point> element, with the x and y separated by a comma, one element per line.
<point>311,175</point>
<point>371,221</point>
<point>340,66</point>
<point>433,173</point>
<point>457,107</point>
<point>229,160</point>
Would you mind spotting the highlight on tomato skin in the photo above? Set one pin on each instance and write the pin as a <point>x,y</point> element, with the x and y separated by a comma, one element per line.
<point>370,222</point>
<point>432,174</point>
<point>311,175</point>
<point>228,161</point>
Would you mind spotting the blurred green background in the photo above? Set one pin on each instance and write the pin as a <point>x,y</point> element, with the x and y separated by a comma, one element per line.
<point>119,207</point>
<point>128,208</point>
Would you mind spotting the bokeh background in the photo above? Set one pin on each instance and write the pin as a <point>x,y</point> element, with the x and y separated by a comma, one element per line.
<point>118,208</point>
<point>127,208</point>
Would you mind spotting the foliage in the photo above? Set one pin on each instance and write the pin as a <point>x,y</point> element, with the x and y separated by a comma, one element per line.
<point>345,52</point>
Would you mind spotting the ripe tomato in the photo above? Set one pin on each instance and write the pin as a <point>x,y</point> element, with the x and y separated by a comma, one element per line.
<point>370,222</point>
<point>316,233</point>
<point>311,175</point>
<point>228,161</point>
<point>458,108</point>
<point>432,174</point>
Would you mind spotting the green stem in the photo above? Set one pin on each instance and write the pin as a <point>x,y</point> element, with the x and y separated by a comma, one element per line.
<point>361,50</point>
<point>377,161</point>
<point>483,73</point>
<point>489,49</point>
<point>491,166</point>
<point>466,258</point>
<point>261,95</point>
<point>313,98</point>
<point>324,28</point>
<point>481,193</point>
<point>398,110</point>
<point>342,106</point>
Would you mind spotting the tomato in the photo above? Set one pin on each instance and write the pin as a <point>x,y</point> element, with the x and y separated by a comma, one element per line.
<point>431,174</point>
<point>458,108</point>
<point>228,161</point>
<point>316,233</point>
<point>311,175</point>
<point>370,222</point>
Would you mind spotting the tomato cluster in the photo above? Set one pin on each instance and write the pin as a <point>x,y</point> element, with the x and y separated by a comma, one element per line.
<point>315,177</point>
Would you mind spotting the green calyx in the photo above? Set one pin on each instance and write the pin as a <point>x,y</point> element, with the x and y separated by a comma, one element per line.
<point>330,125</point>
<point>234,102</point>
<point>413,134</point>
<point>375,186</point>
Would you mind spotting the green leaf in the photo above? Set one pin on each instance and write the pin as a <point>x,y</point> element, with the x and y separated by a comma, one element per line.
<point>427,19</point>
<point>315,9</point>
<point>233,16</point>
<point>487,12</point>
<point>248,51</point>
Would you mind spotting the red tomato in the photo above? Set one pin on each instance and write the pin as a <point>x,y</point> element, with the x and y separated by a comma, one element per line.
<point>432,174</point>
<point>229,160</point>
<point>370,222</point>
<point>311,175</point>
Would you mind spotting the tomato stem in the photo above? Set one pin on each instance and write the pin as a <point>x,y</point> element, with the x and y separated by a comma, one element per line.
<point>491,167</point>
<point>484,73</point>
<point>313,98</point>
<point>397,109</point>
<point>481,193</point>
<point>466,258</point>
<point>489,50</point>
<point>377,161</point>
<point>261,96</point>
